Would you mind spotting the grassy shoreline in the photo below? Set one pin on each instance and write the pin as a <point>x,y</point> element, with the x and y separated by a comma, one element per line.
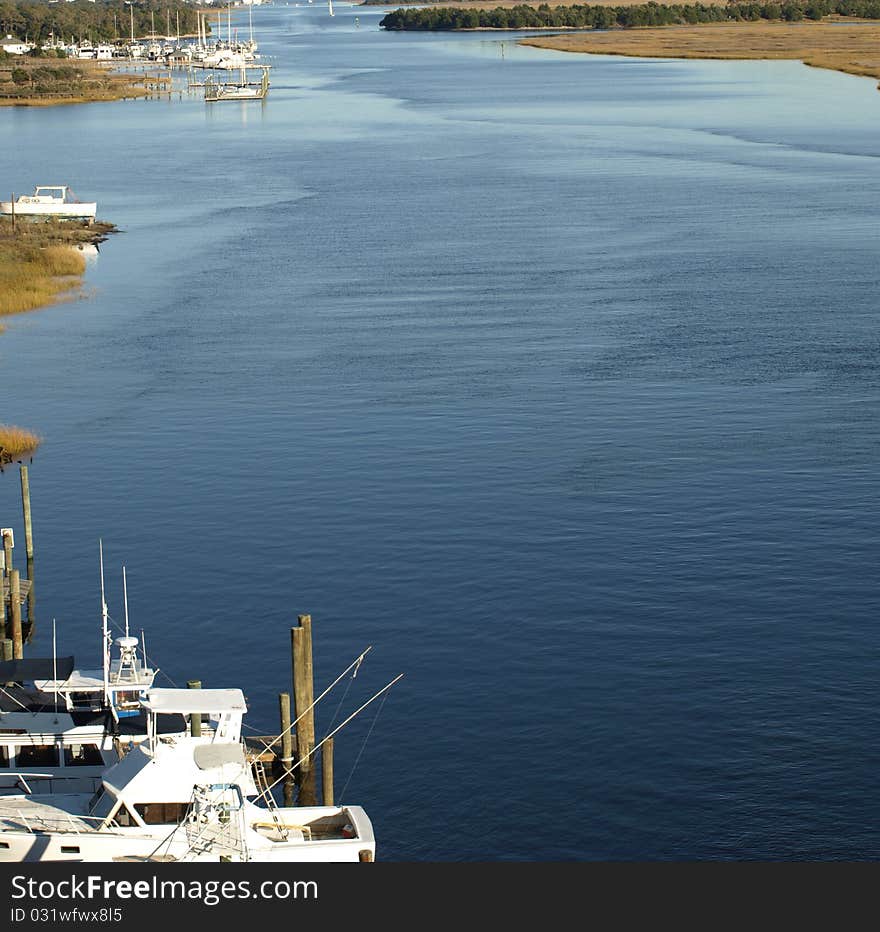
<point>39,261</point>
<point>39,265</point>
<point>47,82</point>
<point>852,48</point>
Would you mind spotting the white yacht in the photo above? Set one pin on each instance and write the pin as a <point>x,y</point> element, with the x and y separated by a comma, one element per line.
<point>61,728</point>
<point>182,798</point>
<point>49,201</point>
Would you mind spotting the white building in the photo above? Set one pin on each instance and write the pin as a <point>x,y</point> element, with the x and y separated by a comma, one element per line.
<point>14,47</point>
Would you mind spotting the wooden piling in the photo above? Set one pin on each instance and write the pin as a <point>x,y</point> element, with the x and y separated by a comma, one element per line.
<point>195,720</point>
<point>3,599</point>
<point>327,771</point>
<point>286,746</point>
<point>305,772</point>
<point>7,559</point>
<point>26,511</point>
<point>15,599</point>
<point>7,552</point>
<point>6,649</point>
<point>305,622</point>
<point>28,545</point>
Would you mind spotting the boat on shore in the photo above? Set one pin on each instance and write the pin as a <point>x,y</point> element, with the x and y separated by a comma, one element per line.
<point>182,798</point>
<point>50,201</point>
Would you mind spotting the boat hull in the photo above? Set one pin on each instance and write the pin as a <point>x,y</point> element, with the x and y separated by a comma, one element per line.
<point>50,210</point>
<point>25,837</point>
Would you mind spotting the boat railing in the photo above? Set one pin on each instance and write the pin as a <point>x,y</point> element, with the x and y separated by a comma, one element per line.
<point>40,824</point>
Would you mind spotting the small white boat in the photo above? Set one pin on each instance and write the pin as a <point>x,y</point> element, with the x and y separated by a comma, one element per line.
<point>49,201</point>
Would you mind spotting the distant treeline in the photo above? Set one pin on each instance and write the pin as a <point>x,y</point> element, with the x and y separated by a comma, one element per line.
<point>37,20</point>
<point>608,17</point>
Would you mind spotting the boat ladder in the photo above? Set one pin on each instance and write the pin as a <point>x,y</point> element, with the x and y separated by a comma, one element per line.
<point>262,783</point>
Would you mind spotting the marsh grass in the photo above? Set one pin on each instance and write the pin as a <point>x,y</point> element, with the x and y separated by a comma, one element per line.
<point>839,45</point>
<point>16,442</point>
<point>38,264</point>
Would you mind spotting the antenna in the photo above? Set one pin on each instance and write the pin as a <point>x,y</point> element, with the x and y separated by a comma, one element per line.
<point>54,666</point>
<point>125,597</point>
<point>105,633</point>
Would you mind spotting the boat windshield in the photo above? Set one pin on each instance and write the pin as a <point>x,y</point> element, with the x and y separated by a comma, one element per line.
<point>101,804</point>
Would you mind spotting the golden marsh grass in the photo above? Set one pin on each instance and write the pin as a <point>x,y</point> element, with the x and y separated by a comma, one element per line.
<point>38,264</point>
<point>840,46</point>
<point>16,442</point>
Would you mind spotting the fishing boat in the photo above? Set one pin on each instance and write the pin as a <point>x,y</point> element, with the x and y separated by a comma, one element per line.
<point>186,798</point>
<point>242,89</point>
<point>60,730</point>
<point>61,727</point>
<point>50,201</point>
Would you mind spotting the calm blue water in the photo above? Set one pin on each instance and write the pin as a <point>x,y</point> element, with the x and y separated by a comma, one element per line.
<point>555,378</point>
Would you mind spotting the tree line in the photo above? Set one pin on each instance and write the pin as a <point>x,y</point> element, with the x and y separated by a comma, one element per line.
<point>103,21</point>
<point>607,17</point>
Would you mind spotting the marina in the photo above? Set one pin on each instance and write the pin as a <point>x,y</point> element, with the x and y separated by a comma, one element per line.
<point>106,766</point>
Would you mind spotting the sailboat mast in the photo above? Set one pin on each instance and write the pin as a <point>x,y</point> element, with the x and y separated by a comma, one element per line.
<point>131,10</point>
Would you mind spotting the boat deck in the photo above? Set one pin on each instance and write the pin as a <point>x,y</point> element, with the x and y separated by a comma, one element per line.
<point>25,814</point>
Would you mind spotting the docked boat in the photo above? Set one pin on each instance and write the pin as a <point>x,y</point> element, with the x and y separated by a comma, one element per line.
<point>61,728</point>
<point>186,798</point>
<point>50,201</point>
<point>241,89</point>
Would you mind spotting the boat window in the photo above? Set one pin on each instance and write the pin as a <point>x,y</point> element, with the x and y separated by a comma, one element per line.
<point>70,849</point>
<point>37,755</point>
<point>101,805</point>
<point>4,756</point>
<point>127,699</point>
<point>162,813</point>
<point>83,755</point>
<point>124,818</point>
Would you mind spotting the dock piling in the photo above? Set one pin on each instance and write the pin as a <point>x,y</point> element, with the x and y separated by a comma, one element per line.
<point>195,721</point>
<point>15,600</point>
<point>28,545</point>
<point>305,728</point>
<point>327,771</point>
<point>286,746</point>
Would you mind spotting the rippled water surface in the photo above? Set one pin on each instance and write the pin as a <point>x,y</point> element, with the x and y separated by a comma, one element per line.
<point>553,377</point>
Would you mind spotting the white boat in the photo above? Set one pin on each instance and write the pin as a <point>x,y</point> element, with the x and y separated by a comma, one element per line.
<point>241,89</point>
<point>61,728</point>
<point>49,201</point>
<point>186,798</point>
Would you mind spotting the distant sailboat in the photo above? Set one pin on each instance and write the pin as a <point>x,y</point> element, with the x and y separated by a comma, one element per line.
<point>330,7</point>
